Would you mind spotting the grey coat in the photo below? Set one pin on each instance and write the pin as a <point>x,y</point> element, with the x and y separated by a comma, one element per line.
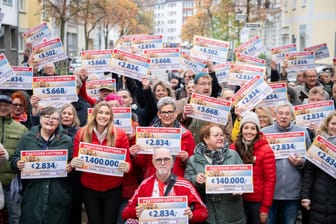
<point>223,208</point>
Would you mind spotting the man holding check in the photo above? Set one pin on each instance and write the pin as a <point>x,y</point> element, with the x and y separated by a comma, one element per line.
<point>164,183</point>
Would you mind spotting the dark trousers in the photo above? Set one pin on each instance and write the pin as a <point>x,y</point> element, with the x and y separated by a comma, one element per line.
<point>252,212</point>
<point>102,207</point>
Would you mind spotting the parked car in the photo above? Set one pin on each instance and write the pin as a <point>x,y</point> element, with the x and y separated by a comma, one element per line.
<point>74,63</point>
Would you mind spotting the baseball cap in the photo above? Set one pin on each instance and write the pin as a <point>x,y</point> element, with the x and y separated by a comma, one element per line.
<point>5,98</point>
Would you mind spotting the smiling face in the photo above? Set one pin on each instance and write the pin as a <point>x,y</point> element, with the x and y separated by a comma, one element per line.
<point>249,131</point>
<point>162,162</point>
<point>160,91</point>
<point>67,117</point>
<point>167,115</point>
<point>49,123</point>
<point>263,118</point>
<point>216,138</point>
<point>332,126</point>
<point>103,116</point>
<point>126,99</point>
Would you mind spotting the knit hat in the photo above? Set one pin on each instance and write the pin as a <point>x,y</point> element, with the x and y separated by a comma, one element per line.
<point>200,75</point>
<point>5,98</point>
<point>250,117</point>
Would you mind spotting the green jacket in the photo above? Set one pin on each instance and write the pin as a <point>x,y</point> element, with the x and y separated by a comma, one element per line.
<point>10,135</point>
<point>45,200</point>
<point>223,208</point>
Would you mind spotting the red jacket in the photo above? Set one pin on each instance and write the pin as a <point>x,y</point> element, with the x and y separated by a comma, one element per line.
<point>182,187</point>
<point>264,174</point>
<point>100,182</point>
<point>187,144</point>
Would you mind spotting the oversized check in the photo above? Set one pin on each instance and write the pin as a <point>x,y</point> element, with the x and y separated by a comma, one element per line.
<point>128,64</point>
<point>222,71</point>
<point>279,53</point>
<point>320,50</point>
<point>168,209</point>
<point>49,52</point>
<point>150,138</point>
<point>44,163</point>
<point>193,63</point>
<point>93,86</point>
<point>122,118</point>
<point>210,109</point>
<point>125,43</point>
<point>279,94</point>
<point>251,94</point>
<point>23,78</point>
<point>247,59</point>
<point>229,178</point>
<point>96,60</point>
<point>6,71</point>
<point>163,58</point>
<point>37,34</point>
<point>284,144</point>
<point>210,49</point>
<point>101,159</point>
<point>322,153</point>
<point>315,112</point>
<point>253,47</point>
<point>141,42</point>
<point>240,74</point>
<point>55,90</point>
<point>300,60</point>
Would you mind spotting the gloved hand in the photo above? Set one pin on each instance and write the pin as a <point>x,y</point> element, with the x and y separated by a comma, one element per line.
<point>123,166</point>
<point>77,162</point>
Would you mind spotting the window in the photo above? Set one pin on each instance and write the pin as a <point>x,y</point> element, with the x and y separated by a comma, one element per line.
<point>13,38</point>
<point>303,36</point>
<point>8,2</point>
<point>21,43</point>
<point>22,6</point>
<point>303,3</point>
<point>293,6</point>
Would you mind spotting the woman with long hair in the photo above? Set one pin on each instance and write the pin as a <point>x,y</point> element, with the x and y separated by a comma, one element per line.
<point>101,193</point>
<point>254,149</point>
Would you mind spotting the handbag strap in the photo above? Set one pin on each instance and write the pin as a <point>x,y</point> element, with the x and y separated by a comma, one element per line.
<point>172,181</point>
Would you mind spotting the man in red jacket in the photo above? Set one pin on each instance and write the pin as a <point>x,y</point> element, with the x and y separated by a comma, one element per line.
<point>152,187</point>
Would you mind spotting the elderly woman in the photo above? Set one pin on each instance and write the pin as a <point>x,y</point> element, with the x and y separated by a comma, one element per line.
<point>101,193</point>
<point>253,148</point>
<point>167,117</point>
<point>318,187</point>
<point>20,108</point>
<point>46,200</point>
<point>212,150</point>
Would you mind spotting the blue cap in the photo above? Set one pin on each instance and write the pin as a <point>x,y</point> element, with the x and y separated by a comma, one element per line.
<point>5,98</point>
<point>199,75</point>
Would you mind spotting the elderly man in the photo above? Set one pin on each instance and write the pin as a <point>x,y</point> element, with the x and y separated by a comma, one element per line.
<point>286,200</point>
<point>310,81</point>
<point>157,186</point>
<point>10,135</point>
<point>203,85</point>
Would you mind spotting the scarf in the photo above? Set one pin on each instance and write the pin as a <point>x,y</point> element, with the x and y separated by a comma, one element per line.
<point>101,136</point>
<point>157,123</point>
<point>217,156</point>
<point>21,117</point>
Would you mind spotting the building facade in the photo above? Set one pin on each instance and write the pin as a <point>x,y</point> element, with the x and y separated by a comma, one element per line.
<point>308,23</point>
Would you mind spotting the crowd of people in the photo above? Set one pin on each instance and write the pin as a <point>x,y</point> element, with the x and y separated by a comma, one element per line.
<point>284,189</point>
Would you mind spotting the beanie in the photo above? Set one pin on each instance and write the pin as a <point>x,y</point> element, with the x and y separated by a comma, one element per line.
<point>250,117</point>
<point>200,75</point>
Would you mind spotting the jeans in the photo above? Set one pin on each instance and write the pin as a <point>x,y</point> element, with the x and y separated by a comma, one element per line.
<point>13,208</point>
<point>285,211</point>
<point>252,212</point>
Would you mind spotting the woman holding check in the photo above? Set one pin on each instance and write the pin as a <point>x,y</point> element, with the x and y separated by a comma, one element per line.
<point>101,193</point>
<point>45,200</point>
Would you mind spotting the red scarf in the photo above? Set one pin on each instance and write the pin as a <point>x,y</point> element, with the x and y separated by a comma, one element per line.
<point>20,118</point>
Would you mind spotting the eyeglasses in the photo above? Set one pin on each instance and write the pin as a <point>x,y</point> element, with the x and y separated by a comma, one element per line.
<point>49,118</point>
<point>17,105</point>
<point>218,135</point>
<point>160,160</point>
<point>204,83</point>
<point>165,113</point>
